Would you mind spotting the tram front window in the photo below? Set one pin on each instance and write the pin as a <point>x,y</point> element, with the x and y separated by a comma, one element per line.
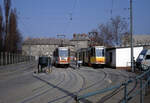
<point>99,52</point>
<point>63,53</point>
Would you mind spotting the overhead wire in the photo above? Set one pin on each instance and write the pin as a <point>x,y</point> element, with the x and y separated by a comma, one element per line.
<point>70,16</point>
<point>111,11</point>
<point>74,6</point>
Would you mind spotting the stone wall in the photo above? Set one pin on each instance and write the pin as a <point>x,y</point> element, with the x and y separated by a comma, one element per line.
<point>39,50</point>
<point>42,50</point>
<point>45,47</point>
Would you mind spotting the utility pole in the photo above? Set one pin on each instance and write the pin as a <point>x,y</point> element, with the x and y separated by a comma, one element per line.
<point>131,34</point>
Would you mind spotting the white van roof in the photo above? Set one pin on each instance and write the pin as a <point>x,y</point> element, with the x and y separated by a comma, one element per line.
<point>148,51</point>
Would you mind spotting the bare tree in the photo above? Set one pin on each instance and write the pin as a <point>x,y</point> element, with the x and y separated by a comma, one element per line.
<point>119,28</point>
<point>106,34</point>
<point>126,39</point>
<point>95,39</point>
<point>111,33</point>
<point>1,30</point>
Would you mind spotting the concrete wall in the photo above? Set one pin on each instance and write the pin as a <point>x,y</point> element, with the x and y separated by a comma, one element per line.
<point>38,50</point>
<point>44,49</point>
<point>123,56</point>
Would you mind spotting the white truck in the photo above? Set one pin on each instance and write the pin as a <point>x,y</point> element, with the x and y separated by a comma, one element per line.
<point>143,60</point>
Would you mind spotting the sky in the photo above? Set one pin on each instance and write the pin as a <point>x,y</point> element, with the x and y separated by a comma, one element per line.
<point>49,18</point>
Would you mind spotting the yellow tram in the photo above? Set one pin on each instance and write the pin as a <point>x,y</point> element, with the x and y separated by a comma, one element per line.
<point>91,56</point>
<point>61,56</point>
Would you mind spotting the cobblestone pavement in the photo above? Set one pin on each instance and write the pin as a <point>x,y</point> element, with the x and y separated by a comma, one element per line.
<point>19,84</point>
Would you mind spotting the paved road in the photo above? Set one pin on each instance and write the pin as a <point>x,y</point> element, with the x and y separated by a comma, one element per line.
<point>18,83</point>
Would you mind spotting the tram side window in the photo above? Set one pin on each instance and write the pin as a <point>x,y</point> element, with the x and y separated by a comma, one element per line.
<point>103,52</point>
<point>79,55</point>
<point>69,52</point>
<point>147,57</point>
<point>92,52</point>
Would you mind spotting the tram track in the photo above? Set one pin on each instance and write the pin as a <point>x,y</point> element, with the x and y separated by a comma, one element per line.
<point>46,89</point>
<point>72,83</point>
<point>100,84</point>
<point>73,75</point>
<point>97,82</point>
<point>76,92</point>
<point>59,86</point>
<point>69,88</point>
<point>63,85</point>
<point>118,90</point>
<point>84,87</point>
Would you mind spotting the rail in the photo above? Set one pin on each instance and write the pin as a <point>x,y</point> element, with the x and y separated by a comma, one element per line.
<point>144,76</point>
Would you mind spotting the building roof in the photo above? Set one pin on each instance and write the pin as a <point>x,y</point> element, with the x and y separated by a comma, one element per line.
<point>141,39</point>
<point>46,41</point>
<point>120,47</point>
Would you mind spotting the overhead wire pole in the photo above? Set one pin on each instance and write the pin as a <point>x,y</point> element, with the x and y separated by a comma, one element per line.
<point>131,34</point>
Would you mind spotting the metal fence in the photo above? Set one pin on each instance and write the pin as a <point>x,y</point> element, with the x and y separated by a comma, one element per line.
<point>143,80</point>
<point>11,58</point>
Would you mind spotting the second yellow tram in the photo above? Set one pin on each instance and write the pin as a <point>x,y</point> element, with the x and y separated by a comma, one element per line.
<point>92,56</point>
